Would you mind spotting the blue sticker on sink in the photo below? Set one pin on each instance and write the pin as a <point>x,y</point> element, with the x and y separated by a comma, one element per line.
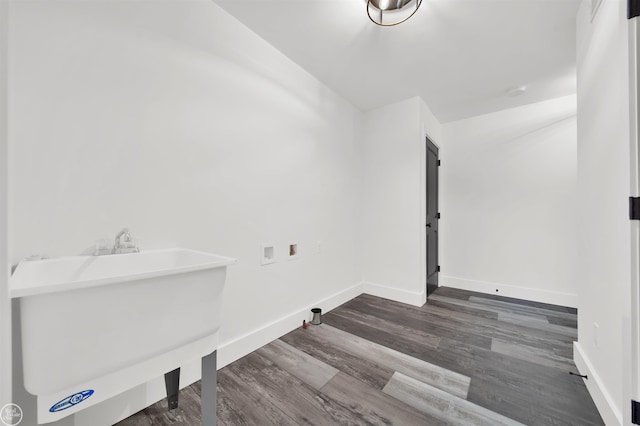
<point>71,400</point>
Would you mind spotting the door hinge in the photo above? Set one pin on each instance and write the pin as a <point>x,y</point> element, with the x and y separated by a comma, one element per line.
<point>634,208</point>
<point>438,216</point>
<point>635,412</point>
<point>438,268</point>
<point>633,8</point>
<point>439,163</point>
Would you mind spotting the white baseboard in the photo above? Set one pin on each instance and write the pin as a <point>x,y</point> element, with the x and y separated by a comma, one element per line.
<point>527,293</point>
<point>601,397</point>
<point>130,402</point>
<point>403,296</point>
<point>122,406</point>
<point>243,345</point>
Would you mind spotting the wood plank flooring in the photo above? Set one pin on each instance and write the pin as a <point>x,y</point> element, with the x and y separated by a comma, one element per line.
<point>463,358</point>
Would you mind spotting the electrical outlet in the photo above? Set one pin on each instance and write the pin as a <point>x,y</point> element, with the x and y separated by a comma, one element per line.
<point>318,246</point>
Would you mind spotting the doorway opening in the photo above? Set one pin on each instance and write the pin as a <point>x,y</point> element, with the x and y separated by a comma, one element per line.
<point>432,164</point>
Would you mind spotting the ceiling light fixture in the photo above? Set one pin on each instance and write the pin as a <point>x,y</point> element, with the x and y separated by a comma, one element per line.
<point>387,13</point>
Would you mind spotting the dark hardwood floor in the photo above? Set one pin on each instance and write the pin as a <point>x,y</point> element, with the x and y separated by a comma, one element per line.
<point>464,358</point>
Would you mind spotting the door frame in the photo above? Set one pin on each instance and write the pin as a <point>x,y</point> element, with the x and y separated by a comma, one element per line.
<point>631,359</point>
<point>5,302</point>
<point>423,207</point>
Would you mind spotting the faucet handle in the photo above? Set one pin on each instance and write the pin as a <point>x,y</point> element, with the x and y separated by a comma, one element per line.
<point>124,243</point>
<point>102,247</point>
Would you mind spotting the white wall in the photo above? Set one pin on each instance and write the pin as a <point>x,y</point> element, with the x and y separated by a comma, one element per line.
<point>5,306</point>
<point>392,228</point>
<point>603,187</point>
<point>173,119</point>
<point>508,203</point>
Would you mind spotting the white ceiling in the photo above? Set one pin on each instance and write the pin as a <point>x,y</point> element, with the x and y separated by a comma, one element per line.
<point>460,56</point>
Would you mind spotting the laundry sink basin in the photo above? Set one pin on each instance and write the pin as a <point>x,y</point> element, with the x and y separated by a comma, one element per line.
<point>94,326</point>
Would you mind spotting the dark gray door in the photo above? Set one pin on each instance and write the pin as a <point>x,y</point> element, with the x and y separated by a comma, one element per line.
<point>432,216</point>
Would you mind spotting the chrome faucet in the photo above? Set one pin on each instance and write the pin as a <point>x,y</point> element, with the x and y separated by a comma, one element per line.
<point>127,237</point>
<point>124,243</point>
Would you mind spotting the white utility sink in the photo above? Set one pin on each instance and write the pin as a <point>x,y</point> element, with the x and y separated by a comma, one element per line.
<point>95,326</point>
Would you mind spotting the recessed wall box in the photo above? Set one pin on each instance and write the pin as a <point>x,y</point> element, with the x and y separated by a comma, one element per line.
<point>293,251</point>
<point>267,254</point>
